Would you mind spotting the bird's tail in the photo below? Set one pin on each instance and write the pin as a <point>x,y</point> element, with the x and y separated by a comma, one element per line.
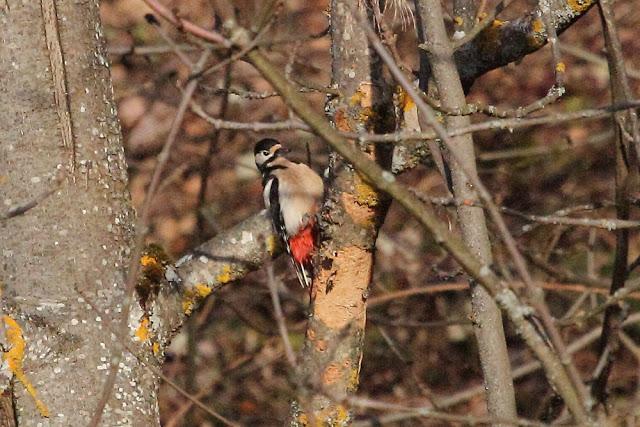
<point>304,273</point>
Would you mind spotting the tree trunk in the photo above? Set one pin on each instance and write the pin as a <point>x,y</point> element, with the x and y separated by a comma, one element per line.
<point>58,119</point>
<point>351,217</point>
<point>487,318</point>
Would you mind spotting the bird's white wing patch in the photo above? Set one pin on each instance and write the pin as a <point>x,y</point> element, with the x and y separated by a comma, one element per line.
<point>266,193</point>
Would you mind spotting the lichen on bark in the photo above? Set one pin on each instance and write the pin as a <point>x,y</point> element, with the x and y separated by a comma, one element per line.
<point>350,219</point>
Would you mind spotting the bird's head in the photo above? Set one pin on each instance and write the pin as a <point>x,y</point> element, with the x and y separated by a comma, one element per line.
<point>266,150</point>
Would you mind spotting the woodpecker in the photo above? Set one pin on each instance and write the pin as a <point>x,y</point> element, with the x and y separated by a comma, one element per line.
<point>292,193</point>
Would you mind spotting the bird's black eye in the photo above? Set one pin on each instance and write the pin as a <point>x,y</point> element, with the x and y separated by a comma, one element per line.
<point>265,152</point>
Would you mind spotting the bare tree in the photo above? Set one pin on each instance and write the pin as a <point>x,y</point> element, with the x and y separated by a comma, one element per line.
<point>89,310</point>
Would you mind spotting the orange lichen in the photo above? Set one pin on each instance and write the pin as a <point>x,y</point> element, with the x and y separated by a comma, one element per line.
<point>489,39</point>
<point>365,193</point>
<point>202,290</point>
<point>354,378</point>
<point>579,6</point>
<point>342,415</point>
<point>195,294</point>
<point>225,276</point>
<point>560,67</point>
<point>14,357</point>
<point>142,333</point>
<point>367,116</point>
<point>149,261</point>
<point>156,348</point>
<point>537,26</point>
<point>363,96</point>
<point>404,100</point>
<point>458,20</point>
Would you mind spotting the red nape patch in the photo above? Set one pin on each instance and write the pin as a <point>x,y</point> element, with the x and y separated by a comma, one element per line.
<point>302,244</point>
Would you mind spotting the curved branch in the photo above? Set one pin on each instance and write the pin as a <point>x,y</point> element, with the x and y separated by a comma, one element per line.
<point>227,257</point>
<point>503,42</point>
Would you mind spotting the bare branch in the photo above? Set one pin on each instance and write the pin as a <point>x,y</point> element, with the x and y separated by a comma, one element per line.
<point>627,181</point>
<point>528,368</point>
<point>280,320</point>
<point>227,257</point>
<point>504,42</point>
<point>488,326</point>
<point>403,412</point>
<point>385,181</point>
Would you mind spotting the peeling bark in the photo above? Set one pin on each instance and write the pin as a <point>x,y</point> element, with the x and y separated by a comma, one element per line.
<point>350,219</point>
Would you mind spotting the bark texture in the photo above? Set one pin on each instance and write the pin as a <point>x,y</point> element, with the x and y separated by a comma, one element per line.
<point>225,258</point>
<point>351,217</point>
<point>503,42</point>
<point>77,237</point>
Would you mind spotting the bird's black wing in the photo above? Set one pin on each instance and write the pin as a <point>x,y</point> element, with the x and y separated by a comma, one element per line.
<point>278,225</point>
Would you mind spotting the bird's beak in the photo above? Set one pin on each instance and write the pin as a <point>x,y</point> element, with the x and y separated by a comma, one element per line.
<point>283,150</point>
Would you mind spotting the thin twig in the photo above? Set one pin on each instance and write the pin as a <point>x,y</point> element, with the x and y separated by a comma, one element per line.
<point>280,320</point>
<point>406,412</point>
<point>134,263</point>
<point>528,368</point>
<point>613,299</point>
<point>536,301</point>
<point>205,165</point>
<point>558,218</point>
<point>453,287</point>
<point>188,26</point>
<point>251,126</point>
<point>251,95</point>
<point>23,208</point>
<point>235,56</point>
<point>603,223</point>
<point>175,47</point>
<point>396,137</point>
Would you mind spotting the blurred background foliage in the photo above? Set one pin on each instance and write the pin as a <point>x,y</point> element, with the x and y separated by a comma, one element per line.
<point>417,347</point>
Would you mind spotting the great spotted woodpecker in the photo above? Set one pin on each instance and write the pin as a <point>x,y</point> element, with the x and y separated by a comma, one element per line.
<point>292,194</point>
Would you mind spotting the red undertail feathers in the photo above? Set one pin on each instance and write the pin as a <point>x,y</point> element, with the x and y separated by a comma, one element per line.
<point>302,244</point>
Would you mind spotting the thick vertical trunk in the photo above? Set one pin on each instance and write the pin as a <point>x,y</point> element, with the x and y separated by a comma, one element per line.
<point>57,117</point>
<point>351,217</point>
